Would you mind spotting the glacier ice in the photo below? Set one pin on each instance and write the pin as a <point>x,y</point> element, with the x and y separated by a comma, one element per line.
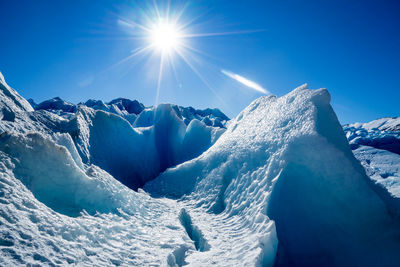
<point>381,134</point>
<point>383,167</point>
<point>278,186</point>
<point>131,142</point>
<point>376,145</point>
<point>287,159</point>
<point>135,155</point>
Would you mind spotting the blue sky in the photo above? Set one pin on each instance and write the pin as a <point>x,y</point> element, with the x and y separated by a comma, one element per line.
<point>69,49</point>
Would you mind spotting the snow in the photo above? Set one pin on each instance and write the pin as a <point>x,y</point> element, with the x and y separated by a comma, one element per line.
<point>11,101</point>
<point>279,186</point>
<point>372,136</point>
<point>284,164</point>
<point>383,167</point>
<point>383,124</point>
<point>37,193</point>
<point>131,110</point>
<point>56,104</point>
<point>376,145</point>
<point>133,154</point>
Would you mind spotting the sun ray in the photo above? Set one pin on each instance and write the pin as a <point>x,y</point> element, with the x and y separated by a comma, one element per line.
<point>180,13</point>
<point>198,51</point>
<point>160,72</point>
<point>201,78</point>
<point>135,53</point>
<point>195,35</point>
<point>168,34</point>
<point>171,62</point>
<point>132,24</point>
<point>156,9</point>
<point>193,20</point>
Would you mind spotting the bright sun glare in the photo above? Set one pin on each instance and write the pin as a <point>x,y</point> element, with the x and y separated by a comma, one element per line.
<point>168,34</point>
<point>165,37</point>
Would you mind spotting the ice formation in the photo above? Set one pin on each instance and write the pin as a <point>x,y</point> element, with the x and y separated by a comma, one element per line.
<point>131,142</point>
<point>381,134</point>
<point>279,186</point>
<point>376,145</point>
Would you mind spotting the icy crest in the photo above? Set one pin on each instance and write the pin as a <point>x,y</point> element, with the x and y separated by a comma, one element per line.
<point>132,109</point>
<point>287,160</point>
<point>11,102</point>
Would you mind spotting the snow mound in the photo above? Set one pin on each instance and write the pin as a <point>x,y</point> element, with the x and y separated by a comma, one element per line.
<point>54,213</point>
<point>285,160</point>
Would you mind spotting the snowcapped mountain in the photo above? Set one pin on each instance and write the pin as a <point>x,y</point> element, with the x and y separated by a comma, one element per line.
<point>276,186</point>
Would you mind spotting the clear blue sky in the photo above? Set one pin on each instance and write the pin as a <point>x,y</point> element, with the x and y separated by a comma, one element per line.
<point>66,48</point>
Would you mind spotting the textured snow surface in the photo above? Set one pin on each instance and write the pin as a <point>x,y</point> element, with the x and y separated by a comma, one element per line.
<point>280,186</point>
<point>287,159</point>
<point>384,169</point>
<point>376,145</point>
<point>383,124</point>
<point>382,134</point>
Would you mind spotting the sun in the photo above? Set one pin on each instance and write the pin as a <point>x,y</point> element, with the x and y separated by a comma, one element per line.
<point>165,37</point>
<point>169,34</point>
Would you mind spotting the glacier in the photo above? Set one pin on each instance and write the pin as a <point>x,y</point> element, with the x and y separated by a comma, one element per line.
<point>376,145</point>
<point>276,186</point>
<point>132,142</point>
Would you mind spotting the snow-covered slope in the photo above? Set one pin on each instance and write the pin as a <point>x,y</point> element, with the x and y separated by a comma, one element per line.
<point>381,134</point>
<point>286,160</point>
<point>383,124</point>
<point>280,186</point>
<point>376,145</point>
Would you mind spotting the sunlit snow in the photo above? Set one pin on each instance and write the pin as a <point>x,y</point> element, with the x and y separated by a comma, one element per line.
<point>278,185</point>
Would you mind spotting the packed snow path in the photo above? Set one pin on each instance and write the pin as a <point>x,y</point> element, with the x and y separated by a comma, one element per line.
<point>279,187</point>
